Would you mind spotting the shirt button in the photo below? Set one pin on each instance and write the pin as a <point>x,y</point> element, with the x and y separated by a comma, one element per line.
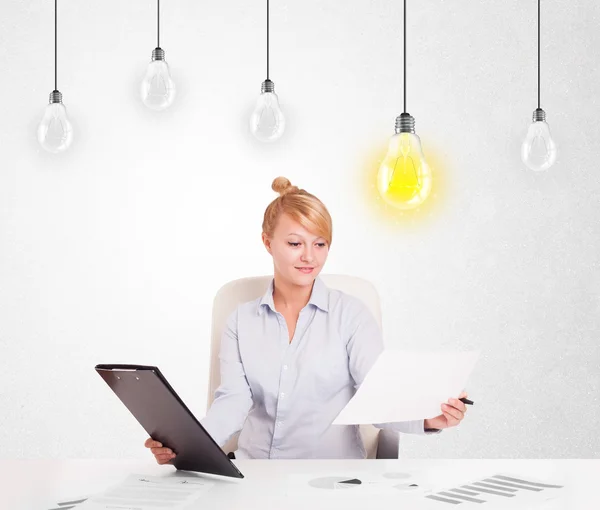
<point>280,423</point>
<point>285,367</point>
<point>282,395</point>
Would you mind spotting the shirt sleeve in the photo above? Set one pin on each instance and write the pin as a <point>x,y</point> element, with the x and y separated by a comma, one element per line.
<point>233,397</point>
<point>364,347</point>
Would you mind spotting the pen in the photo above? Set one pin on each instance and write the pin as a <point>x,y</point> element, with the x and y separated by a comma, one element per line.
<point>466,401</point>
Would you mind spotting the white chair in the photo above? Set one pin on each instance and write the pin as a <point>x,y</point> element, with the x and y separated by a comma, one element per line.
<point>379,443</point>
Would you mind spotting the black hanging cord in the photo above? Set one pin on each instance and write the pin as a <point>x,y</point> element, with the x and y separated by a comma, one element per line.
<point>158,23</point>
<point>538,53</point>
<point>267,39</point>
<point>404,56</point>
<point>55,44</point>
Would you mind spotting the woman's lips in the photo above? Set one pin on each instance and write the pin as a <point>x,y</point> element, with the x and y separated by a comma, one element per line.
<point>305,270</point>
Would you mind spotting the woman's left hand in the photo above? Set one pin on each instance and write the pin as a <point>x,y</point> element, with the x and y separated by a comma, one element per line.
<point>452,414</point>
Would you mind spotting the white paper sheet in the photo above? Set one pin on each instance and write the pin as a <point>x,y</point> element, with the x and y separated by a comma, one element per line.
<point>142,492</point>
<point>408,385</point>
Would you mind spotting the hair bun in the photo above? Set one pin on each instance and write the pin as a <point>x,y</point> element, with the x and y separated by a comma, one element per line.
<point>283,186</point>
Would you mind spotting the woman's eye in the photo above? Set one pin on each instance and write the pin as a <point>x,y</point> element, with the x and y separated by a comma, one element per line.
<point>320,245</point>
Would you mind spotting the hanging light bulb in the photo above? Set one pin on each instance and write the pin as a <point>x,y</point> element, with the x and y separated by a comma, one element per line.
<point>54,132</point>
<point>267,122</point>
<point>538,150</point>
<point>404,178</point>
<point>158,89</point>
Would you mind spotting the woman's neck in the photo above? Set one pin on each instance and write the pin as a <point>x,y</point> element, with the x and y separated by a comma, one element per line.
<point>289,296</point>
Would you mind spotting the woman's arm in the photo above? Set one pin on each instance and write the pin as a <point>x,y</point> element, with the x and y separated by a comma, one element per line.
<point>233,397</point>
<point>364,347</point>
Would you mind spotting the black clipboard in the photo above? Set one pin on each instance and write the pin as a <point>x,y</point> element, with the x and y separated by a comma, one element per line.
<point>163,415</point>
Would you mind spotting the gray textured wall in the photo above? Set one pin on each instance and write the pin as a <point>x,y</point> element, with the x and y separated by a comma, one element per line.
<point>113,251</point>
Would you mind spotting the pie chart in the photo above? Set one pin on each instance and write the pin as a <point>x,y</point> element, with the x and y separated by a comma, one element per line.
<point>335,483</point>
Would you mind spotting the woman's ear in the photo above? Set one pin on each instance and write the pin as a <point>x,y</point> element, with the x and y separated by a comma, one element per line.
<point>267,242</point>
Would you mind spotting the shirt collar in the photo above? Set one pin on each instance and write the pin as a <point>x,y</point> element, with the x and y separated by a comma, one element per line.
<point>319,296</point>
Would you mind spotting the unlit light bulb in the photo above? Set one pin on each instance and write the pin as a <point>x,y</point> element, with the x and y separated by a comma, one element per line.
<point>158,89</point>
<point>404,179</point>
<point>538,151</point>
<point>267,122</point>
<point>55,132</point>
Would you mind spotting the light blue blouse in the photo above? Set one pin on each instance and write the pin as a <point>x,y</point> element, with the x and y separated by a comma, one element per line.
<point>284,396</point>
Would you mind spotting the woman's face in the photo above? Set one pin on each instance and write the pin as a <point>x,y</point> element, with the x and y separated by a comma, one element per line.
<point>298,255</point>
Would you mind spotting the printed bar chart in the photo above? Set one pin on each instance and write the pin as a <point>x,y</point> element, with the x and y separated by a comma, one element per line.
<point>488,489</point>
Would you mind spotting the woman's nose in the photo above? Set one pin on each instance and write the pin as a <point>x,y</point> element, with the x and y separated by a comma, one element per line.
<point>307,255</point>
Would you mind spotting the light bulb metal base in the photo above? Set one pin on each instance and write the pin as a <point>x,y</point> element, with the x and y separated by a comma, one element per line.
<point>55,97</point>
<point>158,54</point>
<point>267,86</point>
<point>539,115</point>
<point>405,123</point>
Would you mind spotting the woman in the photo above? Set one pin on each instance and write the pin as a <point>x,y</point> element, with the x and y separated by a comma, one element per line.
<point>292,359</point>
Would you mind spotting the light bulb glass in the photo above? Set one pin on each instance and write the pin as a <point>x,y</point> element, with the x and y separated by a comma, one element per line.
<point>538,151</point>
<point>158,89</point>
<point>267,122</point>
<point>404,179</point>
<point>55,132</point>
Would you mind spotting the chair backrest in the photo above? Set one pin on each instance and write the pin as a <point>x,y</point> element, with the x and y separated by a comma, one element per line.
<point>242,290</point>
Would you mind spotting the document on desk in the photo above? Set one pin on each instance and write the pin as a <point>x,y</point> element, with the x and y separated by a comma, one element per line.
<point>354,483</point>
<point>141,492</point>
<point>408,385</point>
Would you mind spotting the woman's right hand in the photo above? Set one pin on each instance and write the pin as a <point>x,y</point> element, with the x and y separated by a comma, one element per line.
<point>161,454</point>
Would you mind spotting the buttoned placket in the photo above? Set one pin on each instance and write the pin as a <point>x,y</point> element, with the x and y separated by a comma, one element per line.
<point>286,373</point>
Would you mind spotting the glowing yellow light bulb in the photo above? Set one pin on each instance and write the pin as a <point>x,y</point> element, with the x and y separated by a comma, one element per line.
<point>404,178</point>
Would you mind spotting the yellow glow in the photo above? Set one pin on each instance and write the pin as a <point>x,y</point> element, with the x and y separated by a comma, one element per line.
<point>404,179</point>
<point>386,214</point>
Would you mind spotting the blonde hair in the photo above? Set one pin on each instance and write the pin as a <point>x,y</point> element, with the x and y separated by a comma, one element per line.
<point>302,206</point>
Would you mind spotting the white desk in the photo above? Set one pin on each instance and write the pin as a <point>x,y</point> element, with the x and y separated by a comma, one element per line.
<point>37,484</point>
